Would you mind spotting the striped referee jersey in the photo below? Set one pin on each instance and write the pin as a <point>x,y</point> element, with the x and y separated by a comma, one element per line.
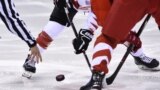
<point>11,19</point>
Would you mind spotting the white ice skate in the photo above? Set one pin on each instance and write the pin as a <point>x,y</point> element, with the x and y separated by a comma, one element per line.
<point>146,63</point>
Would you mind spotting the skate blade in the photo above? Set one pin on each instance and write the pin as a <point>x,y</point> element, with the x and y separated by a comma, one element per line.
<point>95,89</point>
<point>27,74</point>
<point>148,69</point>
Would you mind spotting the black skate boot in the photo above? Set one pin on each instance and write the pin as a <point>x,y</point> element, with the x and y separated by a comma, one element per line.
<point>95,83</point>
<point>29,67</point>
<point>146,63</point>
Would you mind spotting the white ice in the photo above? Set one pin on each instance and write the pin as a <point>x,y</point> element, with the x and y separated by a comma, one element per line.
<point>60,57</point>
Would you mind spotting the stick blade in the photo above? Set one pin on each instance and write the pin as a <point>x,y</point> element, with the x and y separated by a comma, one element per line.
<point>110,80</point>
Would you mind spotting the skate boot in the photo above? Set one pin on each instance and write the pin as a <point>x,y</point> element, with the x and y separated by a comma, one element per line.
<point>29,68</point>
<point>146,63</point>
<point>95,82</point>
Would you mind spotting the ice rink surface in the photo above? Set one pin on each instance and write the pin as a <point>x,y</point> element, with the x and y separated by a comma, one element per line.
<point>60,57</point>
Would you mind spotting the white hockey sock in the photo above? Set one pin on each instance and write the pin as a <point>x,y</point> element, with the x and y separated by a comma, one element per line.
<point>138,53</point>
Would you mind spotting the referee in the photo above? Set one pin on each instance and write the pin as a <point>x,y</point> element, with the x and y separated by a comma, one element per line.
<point>15,25</point>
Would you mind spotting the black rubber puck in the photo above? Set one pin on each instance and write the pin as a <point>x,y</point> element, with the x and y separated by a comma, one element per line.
<point>60,77</point>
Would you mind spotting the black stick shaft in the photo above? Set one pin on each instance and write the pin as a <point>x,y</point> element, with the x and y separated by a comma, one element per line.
<point>76,34</point>
<point>110,79</point>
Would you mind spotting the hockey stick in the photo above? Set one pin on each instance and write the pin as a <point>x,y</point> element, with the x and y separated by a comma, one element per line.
<point>110,79</point>
<point>75,33</point>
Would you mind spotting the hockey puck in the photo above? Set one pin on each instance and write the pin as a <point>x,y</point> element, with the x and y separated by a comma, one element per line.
<point>60,77</point>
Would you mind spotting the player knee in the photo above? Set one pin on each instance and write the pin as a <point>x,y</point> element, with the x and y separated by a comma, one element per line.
<point>44,40</point>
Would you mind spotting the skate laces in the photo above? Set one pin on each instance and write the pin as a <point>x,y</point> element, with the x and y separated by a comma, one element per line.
<point>145,58</point>
<point>98,78</point>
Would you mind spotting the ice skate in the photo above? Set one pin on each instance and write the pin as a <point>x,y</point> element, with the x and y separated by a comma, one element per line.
<point>146,63</point>
<point>29,68</point>
<point>95,82</point>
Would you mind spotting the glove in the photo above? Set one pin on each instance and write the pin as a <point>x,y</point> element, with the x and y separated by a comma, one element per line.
<point>133,39</point>
<point>81,43</point>
<point>59,3</point>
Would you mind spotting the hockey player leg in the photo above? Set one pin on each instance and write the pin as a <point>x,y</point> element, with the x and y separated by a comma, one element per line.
<point>101,58</point>
<point>141,60</point>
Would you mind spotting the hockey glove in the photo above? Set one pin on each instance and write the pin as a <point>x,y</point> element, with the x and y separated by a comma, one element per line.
<point>133,39</point>
<point>81,43</point>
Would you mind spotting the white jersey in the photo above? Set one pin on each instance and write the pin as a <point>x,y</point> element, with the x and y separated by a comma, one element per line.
<point>82,5</point>
<point>91,22</point>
